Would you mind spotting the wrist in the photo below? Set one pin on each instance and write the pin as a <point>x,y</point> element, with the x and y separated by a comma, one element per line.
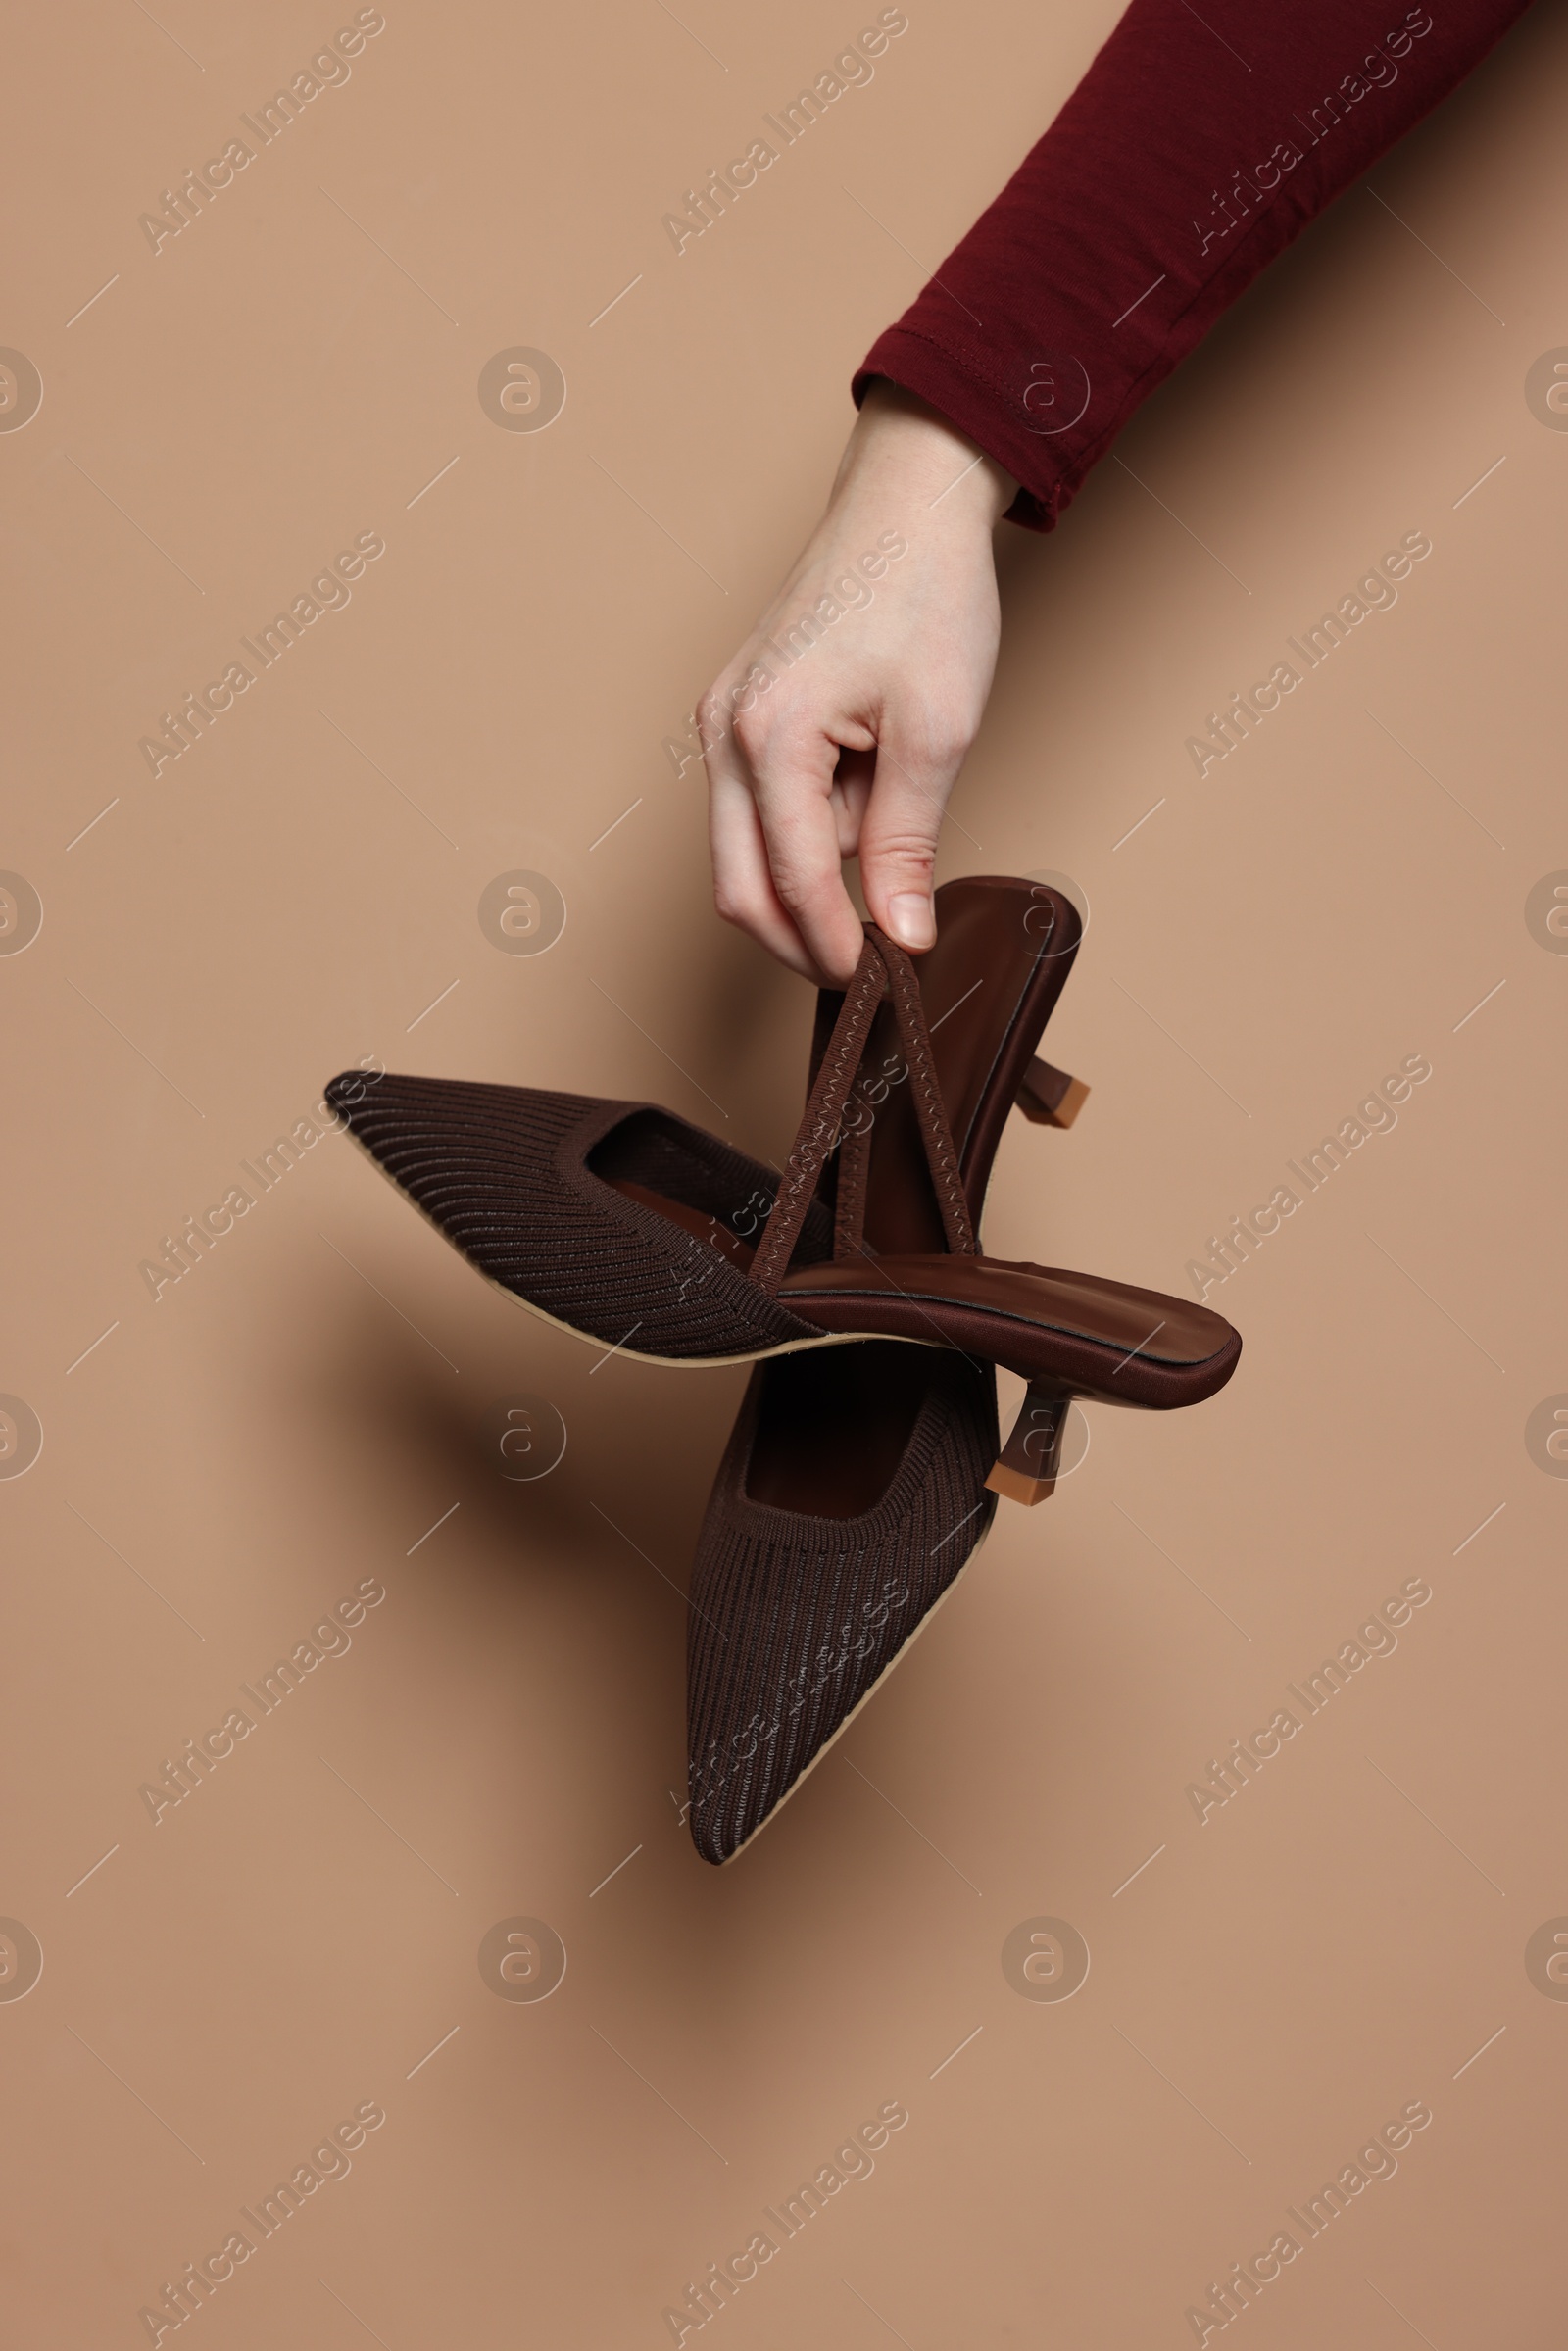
<point>899,443</point>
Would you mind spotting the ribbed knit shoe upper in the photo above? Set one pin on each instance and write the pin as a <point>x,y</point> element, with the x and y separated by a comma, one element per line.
<point>502,1171</point>
<point>793,1618</point>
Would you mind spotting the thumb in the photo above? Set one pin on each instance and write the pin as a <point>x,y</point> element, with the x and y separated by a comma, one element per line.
<point>899,837</point>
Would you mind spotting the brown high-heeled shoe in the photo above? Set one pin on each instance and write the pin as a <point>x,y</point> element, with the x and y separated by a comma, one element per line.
<point>621,1223</point>
<point>635,1230</point>
<point>857,1484</point>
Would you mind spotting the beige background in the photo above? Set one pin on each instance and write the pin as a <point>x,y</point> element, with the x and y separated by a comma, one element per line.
<point>291,1418</point>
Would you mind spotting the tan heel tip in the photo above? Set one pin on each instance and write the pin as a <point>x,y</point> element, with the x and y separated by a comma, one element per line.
<point>1049,1097</point>
<point>1014,1487</point>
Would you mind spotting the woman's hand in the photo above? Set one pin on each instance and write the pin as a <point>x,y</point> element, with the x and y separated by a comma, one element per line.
<point>839,727</point>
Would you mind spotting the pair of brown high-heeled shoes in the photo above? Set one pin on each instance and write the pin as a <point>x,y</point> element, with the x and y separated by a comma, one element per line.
<point>864,1468</point>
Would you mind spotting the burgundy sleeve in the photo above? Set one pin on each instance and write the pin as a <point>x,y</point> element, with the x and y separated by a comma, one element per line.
<point>1195,148</point>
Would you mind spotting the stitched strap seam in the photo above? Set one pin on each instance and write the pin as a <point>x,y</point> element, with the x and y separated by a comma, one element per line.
<point>941,1155</point>
<point>818,1128</point>
<point>882,965</point>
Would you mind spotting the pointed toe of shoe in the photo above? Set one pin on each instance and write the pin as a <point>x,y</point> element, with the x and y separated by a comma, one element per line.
<point>507,1175</point>
<point>482,1162</point>
<point>795,1617</point>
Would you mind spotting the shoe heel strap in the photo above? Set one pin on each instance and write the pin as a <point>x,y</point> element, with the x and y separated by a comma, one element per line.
<point>882,967</point>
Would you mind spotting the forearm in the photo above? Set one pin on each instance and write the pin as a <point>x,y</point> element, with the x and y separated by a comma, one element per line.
<point>1195,149</point>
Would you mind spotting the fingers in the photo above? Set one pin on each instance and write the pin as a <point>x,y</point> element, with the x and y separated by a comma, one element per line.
<point>743,882</point>
<point>793,795</point>
<point>743,885</point>
<point>914,774</point>
<point>777,828</point>
<point>853,779</point>
<point>792,767</point>
<point>777,832</point>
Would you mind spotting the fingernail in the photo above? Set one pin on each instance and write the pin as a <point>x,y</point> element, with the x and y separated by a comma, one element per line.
<point>911,920</point>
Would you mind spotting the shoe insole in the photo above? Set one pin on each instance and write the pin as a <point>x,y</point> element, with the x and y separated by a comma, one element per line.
<point>1085,1305</point>
<point>1094,1337</point>
<point>691,1220</point>
<point>1002,953</point>
<point>833,1426</point>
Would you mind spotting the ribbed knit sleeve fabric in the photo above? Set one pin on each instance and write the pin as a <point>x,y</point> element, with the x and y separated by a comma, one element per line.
<point>1195,148</point>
